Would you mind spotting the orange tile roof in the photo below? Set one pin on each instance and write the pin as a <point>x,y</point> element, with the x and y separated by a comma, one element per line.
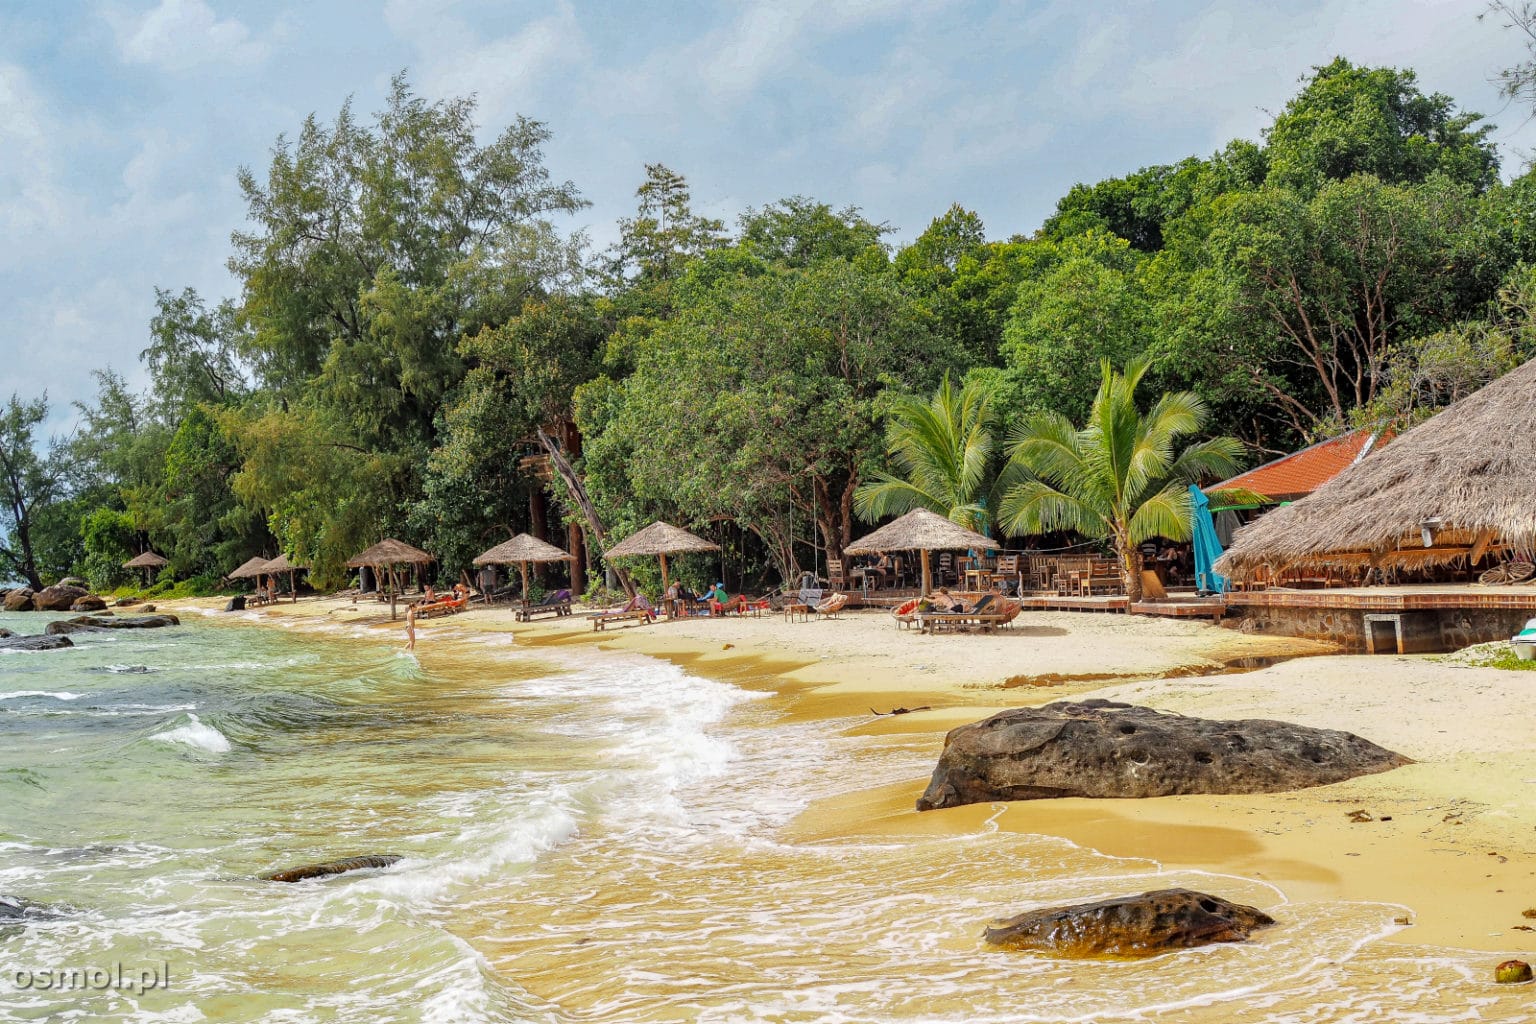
<point>1299,474</point>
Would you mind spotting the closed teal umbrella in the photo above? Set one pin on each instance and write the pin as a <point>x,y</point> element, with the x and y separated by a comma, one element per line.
<point>1207,547</point>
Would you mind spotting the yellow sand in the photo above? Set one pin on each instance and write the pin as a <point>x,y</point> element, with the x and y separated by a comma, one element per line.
<point>1459,850</point>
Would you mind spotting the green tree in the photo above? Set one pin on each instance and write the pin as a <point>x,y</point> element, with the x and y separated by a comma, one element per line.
<point>942,452</point>
<point>195,355</point>
<point>657,243</point>
<point>1124,476</point>
<point>29,484</point>
<point>1351,120</point>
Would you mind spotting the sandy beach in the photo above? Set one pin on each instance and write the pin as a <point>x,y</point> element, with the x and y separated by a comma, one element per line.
<point>1451,838</point>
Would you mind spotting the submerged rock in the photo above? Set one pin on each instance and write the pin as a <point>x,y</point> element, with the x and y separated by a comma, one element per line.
<point>19,600</point>
<point>35,643</point>
<point>333,867</point>
<point>4,633</point>
<point>64,627</point>
<point>14,908</point>
<point>1130,926</point>
<point>127,621</point>
<point>58,598</point>
<point>1100,748</point>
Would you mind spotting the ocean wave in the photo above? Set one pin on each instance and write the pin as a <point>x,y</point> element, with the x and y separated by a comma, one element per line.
<point>196,733</point>
<point>55,694</point>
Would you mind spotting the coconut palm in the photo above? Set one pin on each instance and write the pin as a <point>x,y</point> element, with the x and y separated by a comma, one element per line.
<point>942,450</point>
<point>1124,476</point>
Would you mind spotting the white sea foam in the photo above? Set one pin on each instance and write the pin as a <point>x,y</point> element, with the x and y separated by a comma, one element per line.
<point>55,694</point>
<point>196,733</point>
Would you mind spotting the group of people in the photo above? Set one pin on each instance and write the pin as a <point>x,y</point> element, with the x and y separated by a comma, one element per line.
<point>459,597</point>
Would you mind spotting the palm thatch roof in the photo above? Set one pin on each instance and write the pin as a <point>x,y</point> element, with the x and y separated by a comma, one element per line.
<point>148,560</point>
<point>660,539</point>
<point>250,567</point>
<point>920,530</point>
<point>390,552</point>
<point>1455,487</point>
<point>523,548</point>
<point>281,564</point>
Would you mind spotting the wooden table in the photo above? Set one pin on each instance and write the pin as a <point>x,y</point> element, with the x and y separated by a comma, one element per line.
<point>792,611</point>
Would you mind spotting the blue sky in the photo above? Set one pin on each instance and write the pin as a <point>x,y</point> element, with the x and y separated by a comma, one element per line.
<point>122,123</point>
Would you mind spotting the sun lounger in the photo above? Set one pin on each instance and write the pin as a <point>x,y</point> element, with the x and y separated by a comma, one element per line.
<point>557,604</point>
<point>831,607</point>
<point>447,606</point>
<point>602,620</point>
<point>994,617</point>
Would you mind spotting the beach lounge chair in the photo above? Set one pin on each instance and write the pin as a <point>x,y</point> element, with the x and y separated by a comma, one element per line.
<point>906,614</point>
<point>985,619</point>
<point>830,608</point>
<point>637,612</point>
<point>556,603</point>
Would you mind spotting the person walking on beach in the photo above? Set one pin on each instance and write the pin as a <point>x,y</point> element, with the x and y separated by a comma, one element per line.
<point>410,628</point>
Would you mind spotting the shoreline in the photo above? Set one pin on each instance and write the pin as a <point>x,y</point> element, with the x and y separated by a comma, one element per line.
<point>1458,853</point>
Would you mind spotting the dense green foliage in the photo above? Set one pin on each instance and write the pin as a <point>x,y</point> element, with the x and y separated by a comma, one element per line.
<point>418,349</point>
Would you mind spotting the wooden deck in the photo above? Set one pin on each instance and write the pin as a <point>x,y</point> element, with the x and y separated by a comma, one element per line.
<point>1423,597</point>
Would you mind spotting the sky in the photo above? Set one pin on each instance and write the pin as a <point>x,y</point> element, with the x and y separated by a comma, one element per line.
<point>123,123</point>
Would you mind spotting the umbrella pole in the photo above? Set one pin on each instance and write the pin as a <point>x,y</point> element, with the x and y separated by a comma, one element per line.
<point>926,577</point>
<point>393,588</point>
<point>663,575</point>
<point>524,567</point>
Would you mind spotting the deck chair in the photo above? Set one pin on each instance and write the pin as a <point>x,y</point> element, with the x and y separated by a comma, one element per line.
<point>830,608</point>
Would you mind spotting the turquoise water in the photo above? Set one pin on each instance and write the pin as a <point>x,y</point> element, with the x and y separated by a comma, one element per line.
<point>586,837</point>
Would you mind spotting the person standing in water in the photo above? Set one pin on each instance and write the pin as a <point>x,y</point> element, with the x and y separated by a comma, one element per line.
<point>410,628</point>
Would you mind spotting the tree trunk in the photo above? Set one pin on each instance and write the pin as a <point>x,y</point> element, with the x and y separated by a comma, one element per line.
<point>575,544</point>
<point>538,524</point>
<point>1130,567</point>
<point>579,495</point>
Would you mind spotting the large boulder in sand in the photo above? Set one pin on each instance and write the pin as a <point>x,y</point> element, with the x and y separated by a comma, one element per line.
<point>89,603</point>
<point>35,643</point>
<point>58,598</point>
<point>18,600</point>
<point>1100,748</point>
<point>236,604</point>
<point>1130,926</point>
<point>69,627</point>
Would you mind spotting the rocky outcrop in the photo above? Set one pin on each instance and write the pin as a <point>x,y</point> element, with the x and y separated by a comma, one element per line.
<point>333,867</point>
<point>1130,926</point>
<point>149,608</point>
<point>19,600</point>
<point>6,634</point>
<point>128,621</point>
<point>89,603</point>
<point>35,643</point>
<point>1099,748</point>
<point>124,602</point>
<point>236,604</point>
<point>58,598</point>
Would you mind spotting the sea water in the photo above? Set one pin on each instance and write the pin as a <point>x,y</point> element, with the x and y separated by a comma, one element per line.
<point>585,837</point>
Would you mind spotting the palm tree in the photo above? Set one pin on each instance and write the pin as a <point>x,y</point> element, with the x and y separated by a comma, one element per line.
<point>1123,476</point>
<point>942,449</point>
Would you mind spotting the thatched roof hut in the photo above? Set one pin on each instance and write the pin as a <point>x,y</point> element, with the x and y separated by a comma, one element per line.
<point>385,558</point>
<point>280,564</point>
<point>1452,489</point>
<point>924,531</point>
<point>658,541</point>
<point>520,551</point>
<point>250,567</point>
<point>390,552</point>
<point>148,560</point>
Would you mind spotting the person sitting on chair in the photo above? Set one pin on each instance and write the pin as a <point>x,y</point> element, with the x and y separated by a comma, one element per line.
<point>947,602</point>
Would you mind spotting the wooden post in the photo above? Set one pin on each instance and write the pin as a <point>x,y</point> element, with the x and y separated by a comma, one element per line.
<point>575,543</point>
<point>663,576</point>
<point>524,567</point>
<point>393,589</point>
<point>927,578</point>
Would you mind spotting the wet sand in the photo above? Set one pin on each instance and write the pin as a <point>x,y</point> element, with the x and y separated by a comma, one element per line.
<point>1458,853</point>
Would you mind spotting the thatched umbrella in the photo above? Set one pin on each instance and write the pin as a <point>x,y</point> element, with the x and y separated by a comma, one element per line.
<point>920,530</point>
<point>281,564</point>
<point>389,555</point>
<point>148,561</point>
<point>1457,486</point>
<point>521,550</point>
<point>660,540</point>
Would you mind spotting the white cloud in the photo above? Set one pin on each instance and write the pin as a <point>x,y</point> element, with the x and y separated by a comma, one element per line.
<point>181,34</point>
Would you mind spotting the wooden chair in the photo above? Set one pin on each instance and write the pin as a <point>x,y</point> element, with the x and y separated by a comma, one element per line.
<point>837,579</point>
<point>945,570</point>
<point>1007,568</point>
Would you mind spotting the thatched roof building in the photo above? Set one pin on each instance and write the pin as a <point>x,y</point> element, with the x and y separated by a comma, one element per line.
<point>660,539</point>
<point>390,552</point>
<point>281,564</point>
<point>924,531</point>
<point>522,549</point>
<point>148,560</point>
<point>256,566</point>
<point>1456,487</point>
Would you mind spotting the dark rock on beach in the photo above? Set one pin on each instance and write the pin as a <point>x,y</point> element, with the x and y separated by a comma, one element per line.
<point>1100,748</point>
<point>5,634</point>
<point>236,604</point>
<point>58,598</point>
<point>1130,926</point>
<point>127,621</point>
<point>35,643</point>
<point>333,867</point>
<point>89,603</point>
<point>124,602</point>
<point>70,627</point>
<point>19,600</point>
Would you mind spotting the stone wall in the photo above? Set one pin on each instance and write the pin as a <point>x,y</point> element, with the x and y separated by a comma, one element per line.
<point>1424,631</point>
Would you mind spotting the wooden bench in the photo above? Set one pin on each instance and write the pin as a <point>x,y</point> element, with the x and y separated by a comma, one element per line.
<point>986,622</point>
<point>602,620</point>
<point>528,610</point>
